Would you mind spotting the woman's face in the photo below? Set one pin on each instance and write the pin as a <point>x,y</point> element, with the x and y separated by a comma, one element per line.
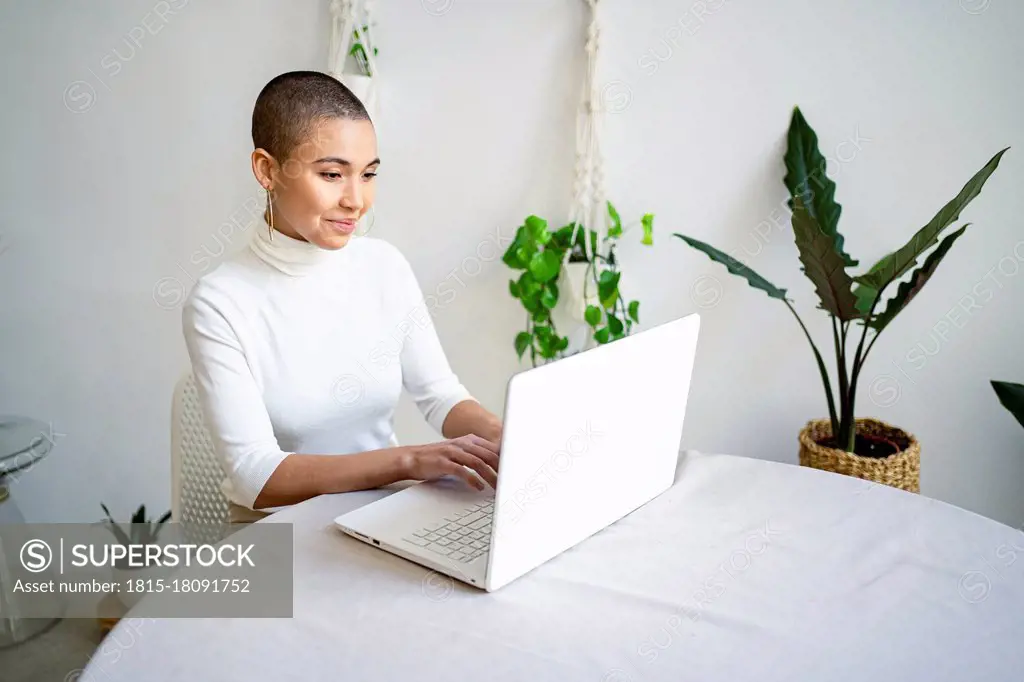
<point>326,185</point>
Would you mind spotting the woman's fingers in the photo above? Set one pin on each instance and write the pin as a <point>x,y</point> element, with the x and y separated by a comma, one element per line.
<point>452,467</point>
<point>483,442</point>
<point>483,453</point>
<point>464,458</point>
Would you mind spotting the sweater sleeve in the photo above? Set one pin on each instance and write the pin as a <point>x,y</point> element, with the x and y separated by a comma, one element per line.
<point>232,403</point>
<point>426,373</point>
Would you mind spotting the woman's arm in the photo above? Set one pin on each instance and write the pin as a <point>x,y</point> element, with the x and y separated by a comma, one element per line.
<point>299,477</point>
<point>470,417</point>
<point>442,399</point>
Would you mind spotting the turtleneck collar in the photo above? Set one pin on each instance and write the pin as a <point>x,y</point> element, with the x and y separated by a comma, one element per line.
<point>289,255</point>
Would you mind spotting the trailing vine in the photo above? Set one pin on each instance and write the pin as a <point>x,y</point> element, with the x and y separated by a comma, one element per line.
<point>539,253</point>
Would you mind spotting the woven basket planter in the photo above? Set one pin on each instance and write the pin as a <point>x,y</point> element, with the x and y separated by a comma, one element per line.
<point>901,470</point>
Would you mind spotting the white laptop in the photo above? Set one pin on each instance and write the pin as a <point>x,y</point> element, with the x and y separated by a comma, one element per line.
<point>586,440</point>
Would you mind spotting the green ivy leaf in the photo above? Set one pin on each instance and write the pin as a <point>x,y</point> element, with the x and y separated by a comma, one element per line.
<point>545,265</point>
<point>634,310</point>
<point>648,222</point>
<point>513,288</point>
<point>593,315</point>
<point>614,325</point>
<point>522,341</point>
<point>524,255</point>
<point>537,229</point>
<point>541,315</point>
<point>616,229</point>
<point>608,288</point>
<point>601,335</point>
<point>527,284</point>
<point>547,341</point>
<point>532,302</point>
<point>511,256</point>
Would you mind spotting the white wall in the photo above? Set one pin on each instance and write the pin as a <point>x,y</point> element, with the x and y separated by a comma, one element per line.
<point>122,170</point>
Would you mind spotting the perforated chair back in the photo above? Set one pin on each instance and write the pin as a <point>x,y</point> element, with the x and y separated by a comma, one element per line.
<point>196,473</point>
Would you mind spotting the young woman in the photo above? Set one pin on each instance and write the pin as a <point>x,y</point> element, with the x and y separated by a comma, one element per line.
<point>302,343</point>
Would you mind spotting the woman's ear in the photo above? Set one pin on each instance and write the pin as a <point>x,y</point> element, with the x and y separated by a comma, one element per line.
<point>263,167</point>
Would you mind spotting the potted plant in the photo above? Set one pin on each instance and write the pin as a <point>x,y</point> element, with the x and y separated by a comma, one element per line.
<point>141,531</point>
<point>1011,396</point>
<point>355,48</point>
<point>361,82</point>
<point>863,447</point>
<point>552,260</point>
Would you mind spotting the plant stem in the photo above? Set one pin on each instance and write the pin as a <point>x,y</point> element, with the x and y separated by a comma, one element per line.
<point>529,328</point>
<point>859,359</point>
<point>821,368</point>
<point>850,417</point>
<point>844,383</point>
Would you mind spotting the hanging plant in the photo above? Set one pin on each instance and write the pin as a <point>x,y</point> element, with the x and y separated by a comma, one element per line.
<point>541,255</point>
<point>358,51</point>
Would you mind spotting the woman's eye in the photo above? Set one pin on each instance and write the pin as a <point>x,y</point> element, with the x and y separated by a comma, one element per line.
<point>331,176</point>
<point>369,175</point>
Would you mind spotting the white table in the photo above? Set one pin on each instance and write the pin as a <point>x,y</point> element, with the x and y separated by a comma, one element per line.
<point>744,570</point>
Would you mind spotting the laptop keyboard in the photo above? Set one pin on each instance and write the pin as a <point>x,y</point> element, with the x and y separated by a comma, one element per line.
<point>461,536</point>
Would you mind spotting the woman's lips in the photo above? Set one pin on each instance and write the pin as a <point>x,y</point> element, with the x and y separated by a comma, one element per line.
<point>343,226</point>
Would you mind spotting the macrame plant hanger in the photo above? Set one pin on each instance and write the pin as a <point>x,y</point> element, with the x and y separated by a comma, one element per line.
<point>352,21</point>
<point>588,210</point>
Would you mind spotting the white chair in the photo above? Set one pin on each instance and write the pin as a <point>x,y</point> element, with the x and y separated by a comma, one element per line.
<point>196,474</point>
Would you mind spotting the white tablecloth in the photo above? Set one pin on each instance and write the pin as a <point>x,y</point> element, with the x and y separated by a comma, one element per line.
<point>744,570</point>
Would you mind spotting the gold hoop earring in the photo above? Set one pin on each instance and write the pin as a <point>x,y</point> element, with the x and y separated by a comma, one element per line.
<point>270,210</point>
<point>373,220</point>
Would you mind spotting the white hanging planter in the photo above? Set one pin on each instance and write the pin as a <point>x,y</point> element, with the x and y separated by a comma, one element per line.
<point>352,21</point>
<point>365,88</point>
<point>572,288</point>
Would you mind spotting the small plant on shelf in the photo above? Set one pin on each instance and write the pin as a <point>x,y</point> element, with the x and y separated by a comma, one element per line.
<point>546,257</point>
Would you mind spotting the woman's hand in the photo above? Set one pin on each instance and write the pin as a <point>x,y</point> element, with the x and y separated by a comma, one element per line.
<point>451,457</point>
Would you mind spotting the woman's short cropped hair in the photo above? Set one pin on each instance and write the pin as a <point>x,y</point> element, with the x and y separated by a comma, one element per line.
<point>292,105</point>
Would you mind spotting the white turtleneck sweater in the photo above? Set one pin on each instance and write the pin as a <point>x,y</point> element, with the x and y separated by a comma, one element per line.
<point>297,349</point>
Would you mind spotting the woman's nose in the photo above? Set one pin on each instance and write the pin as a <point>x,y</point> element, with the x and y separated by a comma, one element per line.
<point>352,197</point>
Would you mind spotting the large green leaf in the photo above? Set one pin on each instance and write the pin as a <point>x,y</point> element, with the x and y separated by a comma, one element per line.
<point>1012,398</point>
<point>823,265</point>
<point>806,178</point>
<point>735,267</point>
<point>545,265</point>
<point>909,289</point>
<point>865,296</point>
<point>892,266</point>
<point>537,229</point>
